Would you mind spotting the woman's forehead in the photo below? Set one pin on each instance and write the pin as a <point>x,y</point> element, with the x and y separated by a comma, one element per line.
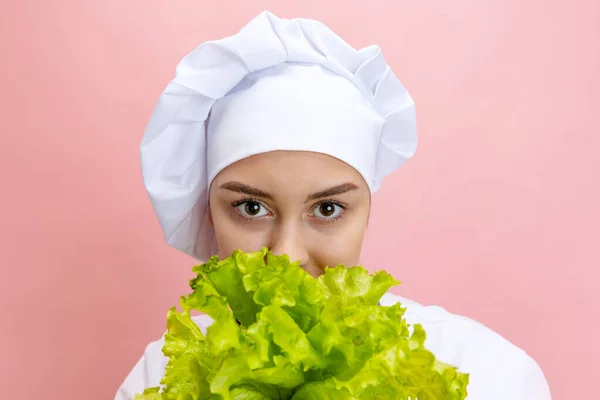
<point>291,171</point>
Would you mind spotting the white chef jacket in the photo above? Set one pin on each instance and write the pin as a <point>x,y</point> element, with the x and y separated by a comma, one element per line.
<point>498,369</point>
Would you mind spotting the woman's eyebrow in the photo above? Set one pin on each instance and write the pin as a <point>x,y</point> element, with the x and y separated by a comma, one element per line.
<point>239,187</point>
<point>332,191</point>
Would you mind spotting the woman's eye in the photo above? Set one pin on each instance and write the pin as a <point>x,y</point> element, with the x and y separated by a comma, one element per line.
<point>252,209</point>
<point>327,210</point>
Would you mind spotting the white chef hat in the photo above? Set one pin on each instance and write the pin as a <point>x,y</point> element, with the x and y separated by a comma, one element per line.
<point>278,84</point>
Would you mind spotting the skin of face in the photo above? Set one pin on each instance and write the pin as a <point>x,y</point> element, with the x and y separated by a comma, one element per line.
<point>310,206</point>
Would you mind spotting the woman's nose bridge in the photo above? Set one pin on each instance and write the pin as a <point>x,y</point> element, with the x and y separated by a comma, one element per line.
<point>288,239</point>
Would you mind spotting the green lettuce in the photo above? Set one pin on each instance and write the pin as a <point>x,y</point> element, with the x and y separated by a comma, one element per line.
<point>279,333</point>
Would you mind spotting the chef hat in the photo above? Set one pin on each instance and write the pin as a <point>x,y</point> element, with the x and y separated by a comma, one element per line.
<point>276,85</point>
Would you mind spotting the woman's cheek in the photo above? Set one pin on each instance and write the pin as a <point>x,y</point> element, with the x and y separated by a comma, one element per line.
<point>339,248</point>
<point>235,238</point>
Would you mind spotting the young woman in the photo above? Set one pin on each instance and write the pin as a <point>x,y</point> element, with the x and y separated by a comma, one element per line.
<point>277,137</point>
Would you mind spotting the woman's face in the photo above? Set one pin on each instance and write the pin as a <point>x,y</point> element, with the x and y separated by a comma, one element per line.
<point>310,206</point>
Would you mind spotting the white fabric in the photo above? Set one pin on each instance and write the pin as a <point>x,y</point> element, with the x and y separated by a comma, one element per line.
<point>294,107</point>
<point>276,85</point>
<point>498,369</point>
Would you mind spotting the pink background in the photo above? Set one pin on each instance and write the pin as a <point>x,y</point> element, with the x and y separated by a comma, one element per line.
<point>496,218</point>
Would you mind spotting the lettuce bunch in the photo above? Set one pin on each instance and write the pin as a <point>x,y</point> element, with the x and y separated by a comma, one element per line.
<point>279,333</point>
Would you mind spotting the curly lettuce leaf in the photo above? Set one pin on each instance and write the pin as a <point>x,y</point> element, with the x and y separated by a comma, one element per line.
<point>149,394</point>
<point>406,371</point>
<point>355,285</point>
<point>227,277</point>
<point>280,334</point>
